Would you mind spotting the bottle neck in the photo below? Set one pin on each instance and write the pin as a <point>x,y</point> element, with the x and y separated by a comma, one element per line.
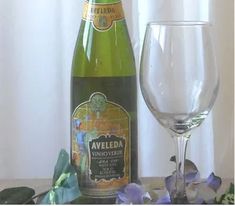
<point>103,13</point>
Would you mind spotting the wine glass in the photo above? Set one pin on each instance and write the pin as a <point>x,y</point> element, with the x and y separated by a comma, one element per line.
<point>179,82</point>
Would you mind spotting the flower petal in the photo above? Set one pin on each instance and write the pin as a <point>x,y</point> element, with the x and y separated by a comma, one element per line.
<point>190,167</point>
<point>170,183</point>
<point>122,198</point>
<point>135,193</point>
<point>164,199</point>
<point>192,177</point>
<point>192,192</point>
<point>199,201</point>
<point>191,171</point>
<point>147,198</point>
<point>214,182</point>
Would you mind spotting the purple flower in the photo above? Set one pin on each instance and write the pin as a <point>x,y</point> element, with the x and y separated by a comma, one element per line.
<point>192,177</point>
<point>131,194</point>
<point>196,189</point>
<point>199,201</point>
<point>193,183</point>
<point>164,200</point>
<point>214,182</point>
<point>170,183</point>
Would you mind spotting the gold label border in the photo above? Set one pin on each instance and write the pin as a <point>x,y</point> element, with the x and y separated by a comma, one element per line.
<point>112,185</point>
<point>103,15</point>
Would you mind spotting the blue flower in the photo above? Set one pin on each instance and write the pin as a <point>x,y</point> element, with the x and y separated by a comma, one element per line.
<point>214,182</point>
<point>135,194</point>
<point>191,175</point>
<point>170,183</point>
<point>164,200</point>
<point>131,194</point>
<point>193,183</point>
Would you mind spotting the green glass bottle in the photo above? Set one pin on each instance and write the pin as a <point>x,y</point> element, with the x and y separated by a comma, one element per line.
<point>103,102</point>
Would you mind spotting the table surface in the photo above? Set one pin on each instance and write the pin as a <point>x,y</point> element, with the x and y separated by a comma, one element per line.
<point>42,185</point>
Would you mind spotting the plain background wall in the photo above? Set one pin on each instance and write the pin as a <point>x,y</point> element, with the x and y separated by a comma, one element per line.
<point>223,19</point>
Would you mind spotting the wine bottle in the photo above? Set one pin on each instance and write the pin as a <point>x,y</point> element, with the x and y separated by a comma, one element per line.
<point>103,102</point>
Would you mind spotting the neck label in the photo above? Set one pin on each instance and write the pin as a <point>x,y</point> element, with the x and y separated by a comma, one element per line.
<point>102,15</point>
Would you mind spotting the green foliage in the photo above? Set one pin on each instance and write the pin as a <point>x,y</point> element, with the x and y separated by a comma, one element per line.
<point>64,189</point>
<point>228,197</point>
<point>18,195</point>
<point>65,184</point>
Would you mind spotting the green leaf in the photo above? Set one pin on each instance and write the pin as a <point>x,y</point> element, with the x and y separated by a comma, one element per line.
<point>18,195</point>
<point>62,165</point>
<point>65,183</point>
<point>231,189</point>
<point>228,197</point>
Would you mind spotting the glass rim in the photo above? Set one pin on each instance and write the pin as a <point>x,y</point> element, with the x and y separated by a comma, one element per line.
<point>179,23</point>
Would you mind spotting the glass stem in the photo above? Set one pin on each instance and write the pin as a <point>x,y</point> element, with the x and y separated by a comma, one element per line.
<point>179,195</point>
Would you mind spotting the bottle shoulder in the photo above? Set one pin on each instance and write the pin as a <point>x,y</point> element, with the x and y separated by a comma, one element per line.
<point>103,53</point>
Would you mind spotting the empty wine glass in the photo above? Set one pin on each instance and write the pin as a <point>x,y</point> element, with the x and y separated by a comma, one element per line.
<point>179,82</point>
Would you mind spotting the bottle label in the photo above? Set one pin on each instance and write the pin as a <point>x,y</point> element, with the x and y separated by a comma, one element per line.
<point>102,15</point>
<point>101,146</point>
